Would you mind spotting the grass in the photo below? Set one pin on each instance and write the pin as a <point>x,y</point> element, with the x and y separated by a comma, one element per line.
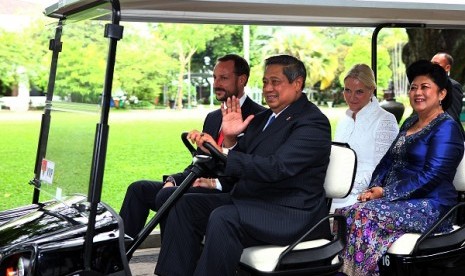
<point>18,145</point>
<point>143,150</point>
<point>139,148</point>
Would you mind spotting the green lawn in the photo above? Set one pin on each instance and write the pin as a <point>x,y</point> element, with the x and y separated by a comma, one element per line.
<point>139,148</point>
<point>18,145</point>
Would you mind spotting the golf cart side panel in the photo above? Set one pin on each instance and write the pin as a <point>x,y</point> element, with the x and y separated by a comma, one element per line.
<point>51,238</point>
<point>66,256</point>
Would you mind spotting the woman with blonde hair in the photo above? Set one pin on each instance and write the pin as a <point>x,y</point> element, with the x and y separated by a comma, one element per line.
<point>366,127</point>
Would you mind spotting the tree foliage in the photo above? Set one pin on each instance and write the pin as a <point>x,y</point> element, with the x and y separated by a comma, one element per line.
<point>26,50</point>
<point>81,69</point>
<point>11,55</point>
<point>424,43</point>
<point>320,59</point>
<point>144,68</point>
<point>360,52</point>
<point>154,60</point>
<point>185,40</point>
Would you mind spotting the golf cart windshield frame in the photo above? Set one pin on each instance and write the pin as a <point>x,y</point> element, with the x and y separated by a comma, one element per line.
<point>77,11</point>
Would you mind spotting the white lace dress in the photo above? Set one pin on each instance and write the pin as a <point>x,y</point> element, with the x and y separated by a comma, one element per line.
<point>370,135</point>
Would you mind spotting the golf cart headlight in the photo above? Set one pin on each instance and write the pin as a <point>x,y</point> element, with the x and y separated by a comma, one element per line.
<point>18,266</point>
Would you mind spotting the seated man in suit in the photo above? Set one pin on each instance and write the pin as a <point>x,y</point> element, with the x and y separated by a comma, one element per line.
<point>230,76</point>
<point>281,168</point>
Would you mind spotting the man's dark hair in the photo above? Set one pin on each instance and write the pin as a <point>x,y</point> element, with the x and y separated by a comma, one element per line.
<point>241,66</point>
<point>293,67</point>
<point>437,74</point>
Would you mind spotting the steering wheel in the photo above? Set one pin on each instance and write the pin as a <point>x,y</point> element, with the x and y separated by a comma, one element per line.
<point>214,152</point>
<point>188,144</point>
<point>216,167</point>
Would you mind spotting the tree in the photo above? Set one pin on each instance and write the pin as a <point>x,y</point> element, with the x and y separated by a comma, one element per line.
<point>309,45</point>
<point>13,58</point>
<point>424,43</point>
<point>260,37</point>
<point>37,53</point>
<point>229,42</point>
<point>143,65</point>
<point>360,52</point>
<point>185,40</point>
<point>393,39</point>
<point>82,62</point>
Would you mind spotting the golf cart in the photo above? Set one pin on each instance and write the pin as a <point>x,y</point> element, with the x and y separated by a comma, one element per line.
<point>67,230</point>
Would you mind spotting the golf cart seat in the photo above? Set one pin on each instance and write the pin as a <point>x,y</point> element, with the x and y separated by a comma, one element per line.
<point>314,257</point>
<point>429,253</point>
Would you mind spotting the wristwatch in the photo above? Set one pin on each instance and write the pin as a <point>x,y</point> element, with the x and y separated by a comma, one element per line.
<point>170,179</point>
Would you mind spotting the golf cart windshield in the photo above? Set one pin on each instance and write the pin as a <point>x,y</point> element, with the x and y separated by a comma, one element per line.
<point>74,112</point>
<point>66,167</point>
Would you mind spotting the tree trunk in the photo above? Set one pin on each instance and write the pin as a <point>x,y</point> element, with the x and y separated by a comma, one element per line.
<point>424,43</point>
<point>180,85</point>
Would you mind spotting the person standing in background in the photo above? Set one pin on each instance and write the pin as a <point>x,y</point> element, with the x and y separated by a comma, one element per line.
<point>446,61</point>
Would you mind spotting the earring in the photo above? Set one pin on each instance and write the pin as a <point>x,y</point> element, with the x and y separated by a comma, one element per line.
<point>440,102</point>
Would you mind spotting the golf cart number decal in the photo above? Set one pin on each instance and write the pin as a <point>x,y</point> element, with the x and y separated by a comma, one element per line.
<point>46,171</point>
<point>386,261</point>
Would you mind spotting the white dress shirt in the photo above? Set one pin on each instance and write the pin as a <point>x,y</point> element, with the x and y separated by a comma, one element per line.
<point>370,135</point>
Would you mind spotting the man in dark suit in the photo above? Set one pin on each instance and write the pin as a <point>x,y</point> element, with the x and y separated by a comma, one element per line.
<point>446,61</point>
<point>281,168</point>
<point>230,76</point>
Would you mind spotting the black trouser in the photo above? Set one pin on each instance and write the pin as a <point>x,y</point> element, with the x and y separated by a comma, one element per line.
<point>138,201</point>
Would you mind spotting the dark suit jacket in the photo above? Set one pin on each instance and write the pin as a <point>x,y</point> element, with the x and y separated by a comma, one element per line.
<point>282,170</point>
<point>212,125</point>
<point>455,108</point>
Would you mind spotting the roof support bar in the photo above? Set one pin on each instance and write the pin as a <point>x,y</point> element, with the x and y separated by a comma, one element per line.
<point>113,32</point>
<point>55,45</point>
<point>374,42</point>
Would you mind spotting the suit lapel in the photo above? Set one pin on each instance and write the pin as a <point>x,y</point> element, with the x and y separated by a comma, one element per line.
<point>214,124</point>
<point>279,124</point>
<point>245,108</point>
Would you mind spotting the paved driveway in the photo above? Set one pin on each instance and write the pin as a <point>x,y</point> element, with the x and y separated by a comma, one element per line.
<point>143,262</point>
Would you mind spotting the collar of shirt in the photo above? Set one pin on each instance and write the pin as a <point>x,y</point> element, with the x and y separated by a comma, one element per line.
<point>241,100</point>
<point>367,109</point>
<point>276,115</point>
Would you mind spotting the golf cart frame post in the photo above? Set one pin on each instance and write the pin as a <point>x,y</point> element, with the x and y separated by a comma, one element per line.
<point>114,32</point>
<point>55,45</point>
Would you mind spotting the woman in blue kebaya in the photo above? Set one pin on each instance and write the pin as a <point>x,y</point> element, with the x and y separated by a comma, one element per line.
<point>412,186</point>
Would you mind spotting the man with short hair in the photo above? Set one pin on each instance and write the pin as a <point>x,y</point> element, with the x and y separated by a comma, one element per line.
<point>230,75</point>
<point>281,163</point>
<point>446,61</point>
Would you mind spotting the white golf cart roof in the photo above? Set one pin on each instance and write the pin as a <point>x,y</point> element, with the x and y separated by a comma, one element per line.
<point>357,13</point>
